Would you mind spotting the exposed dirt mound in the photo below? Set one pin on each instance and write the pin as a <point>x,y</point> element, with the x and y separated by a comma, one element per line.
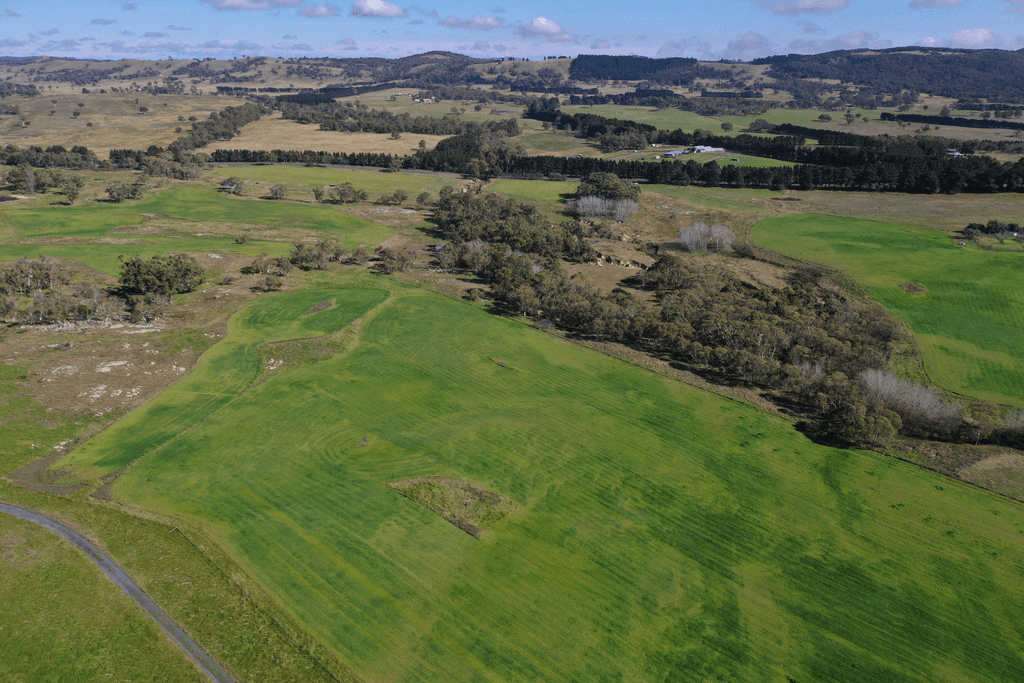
<point>911,288</point>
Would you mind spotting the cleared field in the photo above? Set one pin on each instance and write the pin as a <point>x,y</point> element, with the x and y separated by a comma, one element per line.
<point>55,594</point>
<point>273,132</point>
<point>182,218</point>
<point>305,178</point>
<point>115,118</point>
<point>660,532</point>
<point>969,318</point>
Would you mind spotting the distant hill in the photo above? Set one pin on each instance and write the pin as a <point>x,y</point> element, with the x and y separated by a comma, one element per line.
<point>860,78</point>
<point>992,75</point>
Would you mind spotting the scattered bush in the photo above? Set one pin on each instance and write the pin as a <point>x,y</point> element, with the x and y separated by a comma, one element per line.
<point>922,409</point>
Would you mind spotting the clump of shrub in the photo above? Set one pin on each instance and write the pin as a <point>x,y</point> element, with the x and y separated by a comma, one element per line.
<point>920,408</point>
<point>165,275</point>
<point>593,206</point>
<point>704,237</point>
<point>339,194</point>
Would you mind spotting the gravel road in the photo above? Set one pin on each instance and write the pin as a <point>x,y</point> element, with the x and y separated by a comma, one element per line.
<point>203,660</point>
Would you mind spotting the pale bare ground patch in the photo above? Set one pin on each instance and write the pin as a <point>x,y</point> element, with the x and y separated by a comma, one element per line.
<point>115,117</point>
<point>1003,473</point>
<point>273,132</point>
<point>939,212</point>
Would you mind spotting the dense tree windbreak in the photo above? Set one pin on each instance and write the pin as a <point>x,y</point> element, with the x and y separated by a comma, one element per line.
<point>940,71</point>
<point>668,71</point>
<point>958,121</point>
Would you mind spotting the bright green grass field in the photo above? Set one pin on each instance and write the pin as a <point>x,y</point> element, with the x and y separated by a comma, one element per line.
<point>968,322</point>
<point>663,533</point>
<point>61,619</point>
<point>191,204</point>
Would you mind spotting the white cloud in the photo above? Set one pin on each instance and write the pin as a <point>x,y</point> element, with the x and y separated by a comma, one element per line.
<point>974,38</point>
<point>11,14</point>
<point>686,47</point>
<point>847,41</point>
<point>600,45</point>
<point>325,10</point>
<point>376,8</point>
<point>749,46</point>
<point>928,41</point>
<point>476,22</point>
<point>546,28</point>
<point>810,27</point>
<point>432,13</point>
<point>812,6</point>
<point>103,22</point>
<point>129,7</point>
<point>175,27</point>
<point>246,5</point>
<point>1014,5</point>
<point>922,4</point>
<point>50,32</point>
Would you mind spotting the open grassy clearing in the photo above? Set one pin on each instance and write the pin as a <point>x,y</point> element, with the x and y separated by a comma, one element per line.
<point>967,320</point>
<point>182,218</point>
<point>304,178</point>
<point>62,619</point>
<point>115,119</point>
<point>661,532</point>
<point>273,132</point>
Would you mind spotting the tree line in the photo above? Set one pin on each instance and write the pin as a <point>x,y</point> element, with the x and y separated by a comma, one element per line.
<point>808,344</point>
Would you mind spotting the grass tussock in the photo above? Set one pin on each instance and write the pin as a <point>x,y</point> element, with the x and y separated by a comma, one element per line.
<point>468,506</point>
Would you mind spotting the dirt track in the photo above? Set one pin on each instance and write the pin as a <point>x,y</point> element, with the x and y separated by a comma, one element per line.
<point>203,660</point>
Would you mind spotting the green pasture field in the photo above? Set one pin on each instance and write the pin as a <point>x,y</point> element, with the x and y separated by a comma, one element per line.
<point>30,228</point>
<point>222,373</point>
<point>660,532</point>
<point>305,178</point>
<point>969,319</point>
<point>544,191</point>
<point>742,200</point>
<point>54,594</point>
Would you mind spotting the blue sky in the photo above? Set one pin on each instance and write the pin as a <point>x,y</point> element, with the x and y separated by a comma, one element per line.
<point>707,29</point>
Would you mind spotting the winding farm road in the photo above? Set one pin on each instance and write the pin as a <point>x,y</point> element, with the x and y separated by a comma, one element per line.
<point>203,660</point>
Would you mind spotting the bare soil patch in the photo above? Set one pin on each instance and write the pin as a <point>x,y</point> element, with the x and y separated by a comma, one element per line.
<point>911,288</point>
<point>464,504</point>
<point>1002,473</point>
<point>322,306</point>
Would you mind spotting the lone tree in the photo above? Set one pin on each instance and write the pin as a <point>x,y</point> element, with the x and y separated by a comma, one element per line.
<point>278,192</point>
<point>233,186</point>
<point>607,185</point>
